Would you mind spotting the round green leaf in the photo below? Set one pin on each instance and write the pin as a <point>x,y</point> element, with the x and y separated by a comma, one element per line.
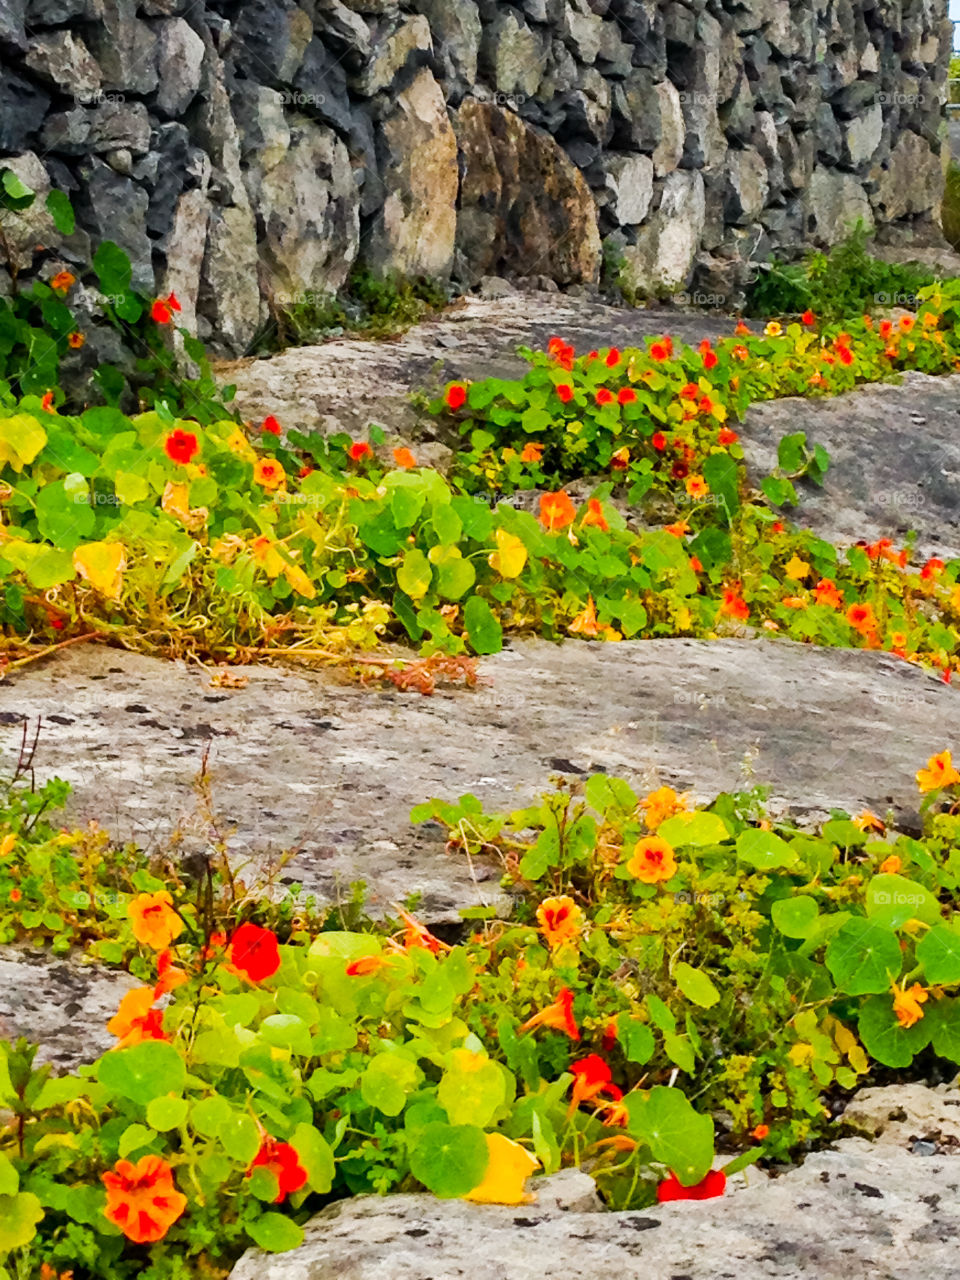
<point>485,632</point>
<point>387,1082</point>
<point>449,1160</point>
<point>764,850</point>
<point>275,1233</point>
<point>884,1038</point>
<point>676,1133</point>
<point>693,829</point>
<point>864,957</point>
<point>19,1216</point>
<point>892,900</point>
<point>164,1114</point>
<point>415,575</point>
<point>143,1072</point>
<point>795,917</point>
<point>695,985</point>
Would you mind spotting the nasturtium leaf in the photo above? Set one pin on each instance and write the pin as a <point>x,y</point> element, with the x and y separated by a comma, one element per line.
<point>286,1031</point>
<point>483,628</point>
<point>505,1181</point>
<point>885,1039</point>
<point>414,576</point>
<point>892,900</point>
<point>764,850</point>
<point>207,1115</point>
<point>694,829</point>
<point>315,1155</point>
<point>795,917</point>
<point>164,1114</point>
<point>333,1033</point>
<point>660,1013</point>
<point>610,795</point>
<point>61,210</point>
<point>274,1232</point>
<point>678,1135</point>
<point>143,1072</point>
<point>387,1082</point>
<point>939,953</point>
<point>455,574</point>
<point>133,1138</point>
<point>19,1216</point>
<point>864,957</point>
<point>9,1178</point>
<point>510,556</point>
<point>21,439</point>
<point>102,564</point>
<point>450,1160</point>
<point>472,1088</point>
<point>239,1136</point>
<point>636,1039</point>
<point>943,1019</point>
<point>695,985</point>
<point>680,1051</point>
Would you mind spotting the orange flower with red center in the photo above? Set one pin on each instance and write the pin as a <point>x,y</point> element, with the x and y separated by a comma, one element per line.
<point>269,474</point>
<point>561,921</point>
<point>825,592</point>
<point>168,975</point>
<point>280,1159</point>
<point>595,516</point>
<point>697,487</point>
<point>653,861</point>
<point>75,340</point>
<point>556,1017</point>
<point>136,1020</point>
<point>254,952</point>
<point>63,281</point>
<point>659,352</point>
<point>861,618</point>
<point>907,323</point>
<point>621,459</point>
<point>556,511</point>
<point>742,330</point>
<point>733,605</point>
<point>532,452</point>
<point>932,569</point>
<point>938,773</point>
<point>142,1199</point>
<point>153,919</point>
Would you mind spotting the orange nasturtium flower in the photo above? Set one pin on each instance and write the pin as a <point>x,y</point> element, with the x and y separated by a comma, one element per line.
<point>557,1016</point>
<point>660,805</point>
<point>697,487</point>
<point>532,452</point>
<point>560,921</point>
<point>404,458</point>
<point>142,1199</point>
<point>154,921</point>
<point>907,1002</point>
<point>868,821</point>
<point>653,860</point>
<point>366,966</point>
<point>268,473</point>
<point>508,1168</point>
<point>890,866</point>
<point>63,281</point>
<point>136,1019</point>
<point>556,511</point>
<point>595,516</point>
<point>825,592</point>
<point>75,340</point>
<point>938,773</point>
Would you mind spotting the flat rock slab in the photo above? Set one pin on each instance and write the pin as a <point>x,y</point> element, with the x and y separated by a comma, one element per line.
<point>62,1005</point>
<point>858,1212</point>
<point>895,460</point>
<point>299,761</point>
<point>895,449</point>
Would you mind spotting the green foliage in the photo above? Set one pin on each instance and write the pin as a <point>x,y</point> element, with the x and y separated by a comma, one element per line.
<point>845,282</point>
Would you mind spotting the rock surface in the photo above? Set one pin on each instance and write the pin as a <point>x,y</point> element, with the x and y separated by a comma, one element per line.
<point>301,762</point>
<point>857,1212</point>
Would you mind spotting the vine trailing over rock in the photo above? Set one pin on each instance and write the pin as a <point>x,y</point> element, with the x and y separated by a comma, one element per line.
<point>672,985</point>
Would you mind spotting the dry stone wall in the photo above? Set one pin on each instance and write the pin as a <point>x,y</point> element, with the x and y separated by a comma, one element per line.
<point>248,153</point>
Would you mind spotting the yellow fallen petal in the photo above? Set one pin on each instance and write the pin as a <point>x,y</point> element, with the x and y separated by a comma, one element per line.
<point>505,1180</point>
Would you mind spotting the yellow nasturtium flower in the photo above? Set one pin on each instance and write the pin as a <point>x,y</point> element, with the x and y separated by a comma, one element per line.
<point>505,1180</point>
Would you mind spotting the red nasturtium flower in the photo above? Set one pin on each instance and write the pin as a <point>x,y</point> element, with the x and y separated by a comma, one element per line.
<point>181,446</point>
<point>142,1199</point>
<point>613,358</point>
<point>560,921</point>
<point>626,395</point>
<point>255,952</point>
<point>659,351</point>
<point>46,404</point>
<point>271,426</point>
<point>714,1184</point>
<point>359,449</point>
<point>591,1079</point>
<point>653,860</point>
<point>727,436</point>
<point>809,319</point>
<point>825,592</point>
<point>557,1016</point>
<point>565,392</point>
<point>283,1162</point>
<point>163,308</point>
<point>153,919</point>
<point>659,441</point>
<point>734,605</point>
<point>604,395</point>
<point>932,568</point>
<point>556,511</point>
<point>456,396</point>
<point>761,1132</point>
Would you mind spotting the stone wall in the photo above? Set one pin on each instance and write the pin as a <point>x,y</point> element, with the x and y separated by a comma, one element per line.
<point>249,152</point>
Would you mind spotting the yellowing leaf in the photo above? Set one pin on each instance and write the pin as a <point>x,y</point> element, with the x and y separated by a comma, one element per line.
<point>507,1172</point>
<point>299,580</point>
<point>102,564</point>
<point>130,488</point>
<point>21,439</point>
<point>238,443</point>
<point>176,503</point>
<point>267,556</point>
<point>511,555</point>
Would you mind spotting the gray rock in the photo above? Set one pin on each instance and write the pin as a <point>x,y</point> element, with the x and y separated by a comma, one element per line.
<point>307,205</point>
<point>99,129</point>
<point>410,42</point>
<point>184,249</point>
<point>629,179</point>
<point>272,37</point>
<point>180,53</point>
<point>124,47</point>
<point>669,150</point>
<point>705,144</point>
<point>114,207</point>
<point>661,262</point>
<point>512,54</point>
<point>345,30</point>
<point>12,13</point>
<point>62,59</point>
<point>51,13</point>
<point>836,202</point>
<point>230,293</point>
<point>415,232</point>
<point>22,109</point>
<point>748,185</point>
<point>583,33</point>
<point>912,181</point>
<point>456,30</point>
<point>899,1114</point>
<point>33,225</point>
<point>863,136</point>
<point>862,1199</point>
